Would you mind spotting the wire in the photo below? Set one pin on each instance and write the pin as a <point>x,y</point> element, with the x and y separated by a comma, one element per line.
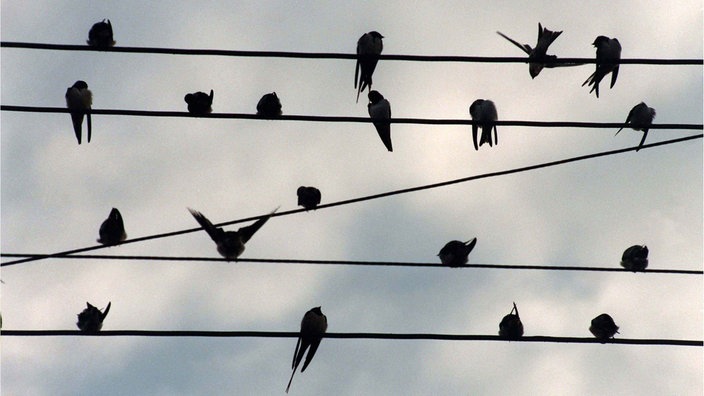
<point>374,196</point>
<point>313,55</point>
<point>351,262</point>
<point>424,121</point>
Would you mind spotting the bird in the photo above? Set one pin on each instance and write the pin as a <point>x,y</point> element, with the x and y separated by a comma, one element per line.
<point>455,253</point>
<point>269,106</point>
<point>79,99</point>
<point>380,113</point>
<point>484,113</point>
<point>538,55</point>
<point>199,103</point>
<point>603,327</point>
<point>308,197</point>
<point>313,326</point>
<point>230,244</point>
<point>91,319</point>
<point>100,35</point>
<point>112,230</point>
<point>640,118</point>
<point>369,47</point>
<point>635,258</point>
<point>608,54</point>
<point>511,327</point>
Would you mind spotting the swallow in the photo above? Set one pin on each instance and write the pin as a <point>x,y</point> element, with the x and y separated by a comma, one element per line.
<point>603,327</point>
<point>635,258</point>
<point>511,327</point>
<point>91,319</point>
<point>199,103</point>
<point>313,326</point>
<point>484,113</point>
<point>455,253</point>
<point>230,244</point>
<point>269,106</point>
<point>100,35</point>
<point>640,118</point>
<point>112,231</point>
<point>608,54</point>
<point>380,113</point>
<point>369,47</point>
<point>79,99</point>
<point>538,55</point>
<point>308,197</point>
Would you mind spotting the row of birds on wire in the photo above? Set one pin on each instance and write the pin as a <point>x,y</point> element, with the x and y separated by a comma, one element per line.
<point>483,111</point>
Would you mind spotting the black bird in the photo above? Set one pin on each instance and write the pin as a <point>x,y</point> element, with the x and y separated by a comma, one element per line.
<point>369,47</point>
<point>79,99</point>
<point>455,253</point>
<point>608,54</point>
<point>538,55</point>
<point>269,106</point>
<point>308,197</point>
<point>112,230</point>
<point>313,327</point>
<point>380,113</point>
<point>199,103</point>
<point>640,117</point>
<point>91,319</point>
<point>484,113</point>
<point>100,35</point>
<point>230,244</point>
<point>603,327</point>
<point>635,258</point>
<point>511,327</point>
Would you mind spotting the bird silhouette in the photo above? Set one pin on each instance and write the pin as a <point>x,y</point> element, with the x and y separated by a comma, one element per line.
<point>640,118</point>
<point>511,327</point>
<point>313,327</point>
<point>100,35</point>
<point>308,197</point>
<point>484,113</point>
<point>199,103</point>
<point>90,320</point>
<point>369,47</point>
<point>635,258</point>
<point>455,253</point>
<point>269,106</point>
<point>380,113</point>
<point>78,100</point>
<point>112,230</point>
<point>608,54</point>
<point>603,327</point>
<point>538,55</point>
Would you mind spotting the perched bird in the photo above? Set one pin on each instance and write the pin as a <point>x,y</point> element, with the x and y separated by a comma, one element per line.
<point>199,103</point>
<point>230,243</point>
<point>269,106</point>
<point>112,231</point>
<point>308,197</point>
<point>455,253</point>
<point>603,327</point>
<point>484,113</point>
<point>313,326</point>
<point>538,55</point>
<point>608,54</point>
<point>369,47</point>
<point>79,99</point>
<point>635,258</point>
<point>640,117</point>
<point>511,327</point>
<point>380,112</point>
<point>100,35</point>
<point>91,319</point>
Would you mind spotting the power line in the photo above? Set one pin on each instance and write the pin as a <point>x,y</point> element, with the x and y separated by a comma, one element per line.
<point>374,196</point>
<point>352,262</point>
<point>319,55</point>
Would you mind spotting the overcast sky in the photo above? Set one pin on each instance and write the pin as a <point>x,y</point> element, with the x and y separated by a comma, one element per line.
<point>56,193</point>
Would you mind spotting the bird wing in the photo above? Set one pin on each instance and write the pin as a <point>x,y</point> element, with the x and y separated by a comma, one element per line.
<point>524,47</point>
<point>311,352</point>
<point>214,232</point>
<point>247,232</point>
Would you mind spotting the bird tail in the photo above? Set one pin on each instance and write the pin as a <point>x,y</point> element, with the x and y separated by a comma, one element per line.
<point>290,380</point>
<point>640,145</point>
<point>90,127</point>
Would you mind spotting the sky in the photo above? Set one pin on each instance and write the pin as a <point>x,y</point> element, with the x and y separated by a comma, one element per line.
<point>55,194</point>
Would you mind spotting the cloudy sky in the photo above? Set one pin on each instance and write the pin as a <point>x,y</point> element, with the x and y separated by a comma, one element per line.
<point>56,193</point>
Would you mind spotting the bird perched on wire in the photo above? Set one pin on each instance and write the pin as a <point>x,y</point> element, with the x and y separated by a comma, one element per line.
<point>308,197</point>
<point>608,54</point>
<point>78,100</point>
<point>369,47</point>
<point>484,113</point>
<point>100,35</point>
<point>230,244</point>
<point>199,103</point>
<point>269,106</point>
<point>640,118</point>
<point>91,319</point>
<point>112,230</point>
<point>635,258</point>
<point>603,327</point>
<point>538,55</point>
<point>380,113</point>
<point>456,253</point>
<point>313,327</point>
<point>511,327</point>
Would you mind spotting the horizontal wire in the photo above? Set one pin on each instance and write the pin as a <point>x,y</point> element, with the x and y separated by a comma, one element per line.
<point>352,262</point>
<point>373,336</point>
<point>314,55</point>
<point>424,121</point>
<point>374,196</point>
